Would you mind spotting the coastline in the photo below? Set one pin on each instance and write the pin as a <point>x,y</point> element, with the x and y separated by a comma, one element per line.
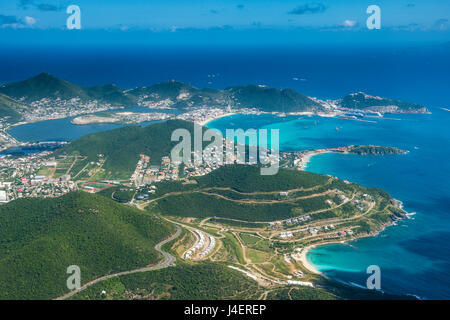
<point>307,158</point>
<point>311,268</point>
<point>206,121</point>
<point>306,263</point>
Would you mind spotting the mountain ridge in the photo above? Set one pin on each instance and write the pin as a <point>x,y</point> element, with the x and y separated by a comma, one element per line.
<point>180,95</point>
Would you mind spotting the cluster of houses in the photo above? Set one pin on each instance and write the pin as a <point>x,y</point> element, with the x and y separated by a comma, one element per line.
<point>200,244</point>
<point>289,222</point>
<point>212,244</point>
<point>145,174</point>
<point>345,233</point>
<point>313,230</point>
<point>48,108</point>
<point>203,115</point>
<point>300,283</point>
<point>285,235</point>
<point>298,273</point>
<point>297,220</point>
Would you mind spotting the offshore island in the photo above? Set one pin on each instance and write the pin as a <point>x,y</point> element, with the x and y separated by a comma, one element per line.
<point>145,227</point>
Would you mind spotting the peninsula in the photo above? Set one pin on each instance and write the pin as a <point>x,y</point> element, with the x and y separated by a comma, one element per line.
<point>300,159</point>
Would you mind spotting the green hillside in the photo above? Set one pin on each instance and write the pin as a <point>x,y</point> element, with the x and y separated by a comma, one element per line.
<point>121,147</point>
<point>213,281</point>
<point>241,192</point>
<point>181,95</point>
<point>271,99</point>
<point>40,238</point>
<point>110,93</point>
<point>165,90</point>
<point>10,109</point>
<point>42,86</point>
<point>47,86</point>
<point>250,96</point>
<point>244,178</point>
<point>206,281</point>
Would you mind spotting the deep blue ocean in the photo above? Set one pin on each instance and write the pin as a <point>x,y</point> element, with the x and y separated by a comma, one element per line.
<point>414,256</point>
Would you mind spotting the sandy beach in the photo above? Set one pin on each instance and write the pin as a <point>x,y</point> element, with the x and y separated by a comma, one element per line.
<point>307,157</point>
<point>305,261</point>
<point>206,121</point>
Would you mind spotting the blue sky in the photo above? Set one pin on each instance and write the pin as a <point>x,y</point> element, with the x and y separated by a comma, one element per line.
<point>239,21</point>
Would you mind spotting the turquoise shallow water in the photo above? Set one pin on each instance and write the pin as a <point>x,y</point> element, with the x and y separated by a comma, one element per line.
<point>414,256</point>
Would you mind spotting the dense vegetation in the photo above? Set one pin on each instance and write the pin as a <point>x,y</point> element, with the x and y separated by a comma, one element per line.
<point>42,86</point>
<point>184,282</point>
<point>301,293</point>
<point>40,238</point>
<point>244,178</point>
<point>211,281</point>
<point>45,85</point>
<point>271,99</point>
<point>181,94</point>
<point>10,109</point>
<point>240,192</point>
<point>200,205</point>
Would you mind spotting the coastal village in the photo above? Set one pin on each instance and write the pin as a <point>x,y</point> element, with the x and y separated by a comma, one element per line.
<point>33,175</point>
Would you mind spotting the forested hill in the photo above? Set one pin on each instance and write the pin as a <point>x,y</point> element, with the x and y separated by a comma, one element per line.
<point>270,99</point>
<point>179,95</point>
<point>10,109</point>
<point>121,147</point>
<point>246,178</point>
<point>46,86</point>
<point>174,94</point>
<point>241,192</point>
<point>40,238</point>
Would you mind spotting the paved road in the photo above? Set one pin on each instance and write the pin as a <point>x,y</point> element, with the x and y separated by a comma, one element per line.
<point>168,261</point>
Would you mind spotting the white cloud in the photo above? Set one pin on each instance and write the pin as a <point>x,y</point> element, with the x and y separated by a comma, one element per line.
<point>30,20</point>
<point>349,23</point>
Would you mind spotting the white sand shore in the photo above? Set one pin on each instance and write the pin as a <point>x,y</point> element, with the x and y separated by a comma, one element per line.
<point>307,157</point>
<point>305,261</point>
<point>206,121</point>
<point>305,251</point>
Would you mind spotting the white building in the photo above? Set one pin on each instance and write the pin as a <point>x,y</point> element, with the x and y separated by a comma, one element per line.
<point>3,196</point>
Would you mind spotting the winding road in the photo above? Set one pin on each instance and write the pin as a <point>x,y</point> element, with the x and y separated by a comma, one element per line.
<point>169,260</point>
